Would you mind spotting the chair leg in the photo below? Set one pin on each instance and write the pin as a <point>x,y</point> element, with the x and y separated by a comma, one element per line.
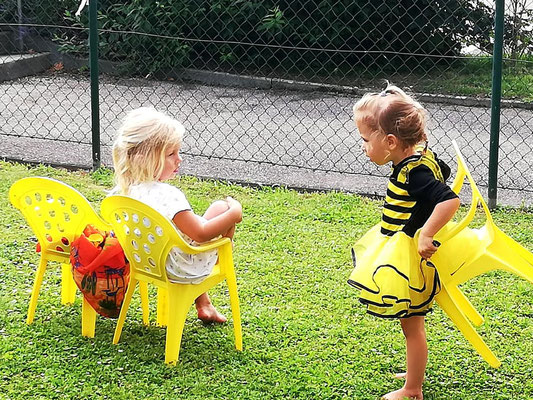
<point>511,256</point>
<point>176,322</point>
<point>235,308</point>
<point>35,291</point>
<point>162,307</point>
<point>143,290</point>
<point>494,258</point>
<point>502,253</point>
<point>68,286</point>
<point>88,319</point>
<point>123,310</point>
<point>459,319</point>
<point>464,305</point>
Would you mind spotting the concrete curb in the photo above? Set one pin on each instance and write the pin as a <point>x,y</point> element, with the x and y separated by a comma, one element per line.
<point>226,79</point>
<point>18,66</point>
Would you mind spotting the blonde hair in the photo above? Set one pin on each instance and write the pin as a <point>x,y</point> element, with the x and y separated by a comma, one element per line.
<point>141,145</point>
<point>393,112</point>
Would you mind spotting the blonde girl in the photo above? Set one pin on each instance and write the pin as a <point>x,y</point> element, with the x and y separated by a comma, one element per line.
<point>145,154</point>
<point>392,261</point>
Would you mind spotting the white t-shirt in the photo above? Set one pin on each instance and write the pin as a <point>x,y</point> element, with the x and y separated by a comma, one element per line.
<point>169,200</point>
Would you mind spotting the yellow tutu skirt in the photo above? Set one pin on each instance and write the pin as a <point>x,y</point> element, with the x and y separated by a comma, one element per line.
<point>395,281</point>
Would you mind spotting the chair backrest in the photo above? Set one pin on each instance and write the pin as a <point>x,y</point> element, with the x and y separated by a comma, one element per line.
<point>146,236</point>
<point>56,212</point>
<point>477,199</point>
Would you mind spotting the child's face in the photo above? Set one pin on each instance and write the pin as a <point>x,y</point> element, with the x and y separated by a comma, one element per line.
<point>172,163</point>
<point>375,144</point>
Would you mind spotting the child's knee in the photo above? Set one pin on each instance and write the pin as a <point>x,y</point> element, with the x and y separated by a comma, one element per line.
<point>216,208</point>
<point>220,206</point>
<point>413,326</point>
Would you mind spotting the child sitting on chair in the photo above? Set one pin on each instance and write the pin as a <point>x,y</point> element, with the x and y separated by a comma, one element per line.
<point>145,154</point>
<point>392,261</point>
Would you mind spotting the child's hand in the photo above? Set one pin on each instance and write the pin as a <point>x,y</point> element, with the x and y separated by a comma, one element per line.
<point>235,207</point>
<point>426,246</point>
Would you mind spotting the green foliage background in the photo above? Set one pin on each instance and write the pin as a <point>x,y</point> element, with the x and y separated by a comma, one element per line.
<point>248,35</point>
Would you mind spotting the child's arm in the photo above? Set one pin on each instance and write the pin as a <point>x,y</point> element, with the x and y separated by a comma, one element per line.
<point>440,216</point>
<point>201,230</point>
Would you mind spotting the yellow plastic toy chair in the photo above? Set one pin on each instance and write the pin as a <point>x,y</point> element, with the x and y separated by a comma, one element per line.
<point>476,251</point>
<point>57,214</point>
<point>147,237</point>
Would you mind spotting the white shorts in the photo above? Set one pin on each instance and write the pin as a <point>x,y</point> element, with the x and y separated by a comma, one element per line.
<point>190,268</point>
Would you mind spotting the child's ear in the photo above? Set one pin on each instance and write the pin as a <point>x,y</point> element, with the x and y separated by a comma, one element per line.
<point>392,141</point>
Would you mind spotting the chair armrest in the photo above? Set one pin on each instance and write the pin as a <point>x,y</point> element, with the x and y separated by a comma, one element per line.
<point>211,245</point>
<point>477,198</point>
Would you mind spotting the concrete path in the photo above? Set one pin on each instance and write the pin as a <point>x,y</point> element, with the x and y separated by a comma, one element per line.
<point>291,137</point>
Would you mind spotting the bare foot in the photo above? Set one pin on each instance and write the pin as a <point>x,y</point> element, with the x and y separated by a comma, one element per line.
<point>400,375</point>
<point>206,311</point>
<point>209,314</point>
<point>403,394</point>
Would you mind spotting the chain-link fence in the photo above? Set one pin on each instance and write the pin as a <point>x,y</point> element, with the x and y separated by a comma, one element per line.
<point>267,83</point>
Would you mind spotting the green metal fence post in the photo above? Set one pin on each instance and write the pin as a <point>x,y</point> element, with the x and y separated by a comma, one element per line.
<point>95,102</point>
<point>497,61</point>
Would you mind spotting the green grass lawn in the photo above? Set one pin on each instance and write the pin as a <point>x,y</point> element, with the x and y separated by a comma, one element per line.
<point>469,76</point>
<point>473,78</point>
<point>305,334</point>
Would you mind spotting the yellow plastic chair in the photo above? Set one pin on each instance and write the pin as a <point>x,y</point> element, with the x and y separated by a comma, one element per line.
<point>57,214</point>
<point>147,237</point>
<point>475,251</point>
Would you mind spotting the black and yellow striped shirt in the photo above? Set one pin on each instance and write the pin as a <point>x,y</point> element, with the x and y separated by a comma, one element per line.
<point>415,187</point>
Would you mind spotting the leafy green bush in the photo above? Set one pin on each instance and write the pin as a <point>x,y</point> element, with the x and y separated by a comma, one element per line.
<point>322,34</point>
<point>8,11</point>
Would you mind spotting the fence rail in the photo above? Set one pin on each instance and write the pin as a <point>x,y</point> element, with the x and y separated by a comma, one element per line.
<point>264,83</point>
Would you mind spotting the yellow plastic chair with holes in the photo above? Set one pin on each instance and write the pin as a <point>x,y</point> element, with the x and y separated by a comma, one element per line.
<point>475,251</point>
<point>147,237</point>
<point>57,214</point>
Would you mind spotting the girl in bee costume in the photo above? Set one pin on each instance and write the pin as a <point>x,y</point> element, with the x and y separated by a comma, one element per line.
<point>392,261</point>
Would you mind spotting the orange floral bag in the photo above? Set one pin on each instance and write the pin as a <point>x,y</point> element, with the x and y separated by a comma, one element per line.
<point>100,270</point>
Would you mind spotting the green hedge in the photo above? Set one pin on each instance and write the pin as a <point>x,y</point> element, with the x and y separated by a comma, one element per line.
<point>265,35</point>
